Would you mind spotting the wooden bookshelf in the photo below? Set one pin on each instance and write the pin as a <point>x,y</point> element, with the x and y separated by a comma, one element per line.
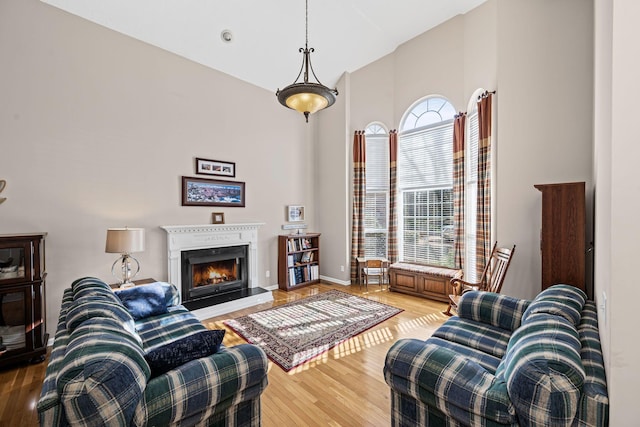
<point>298,260</point>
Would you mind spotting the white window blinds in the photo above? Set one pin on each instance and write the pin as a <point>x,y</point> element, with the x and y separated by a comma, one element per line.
<point>425,158</point>
<point>377,197</point>
<point>471,197</point>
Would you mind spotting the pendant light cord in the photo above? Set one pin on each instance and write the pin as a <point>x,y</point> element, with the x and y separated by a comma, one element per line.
<point>306,23</point>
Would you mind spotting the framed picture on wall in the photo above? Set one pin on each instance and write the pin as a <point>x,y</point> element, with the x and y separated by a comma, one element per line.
<point>217,218</point>
<point>212,192</point>
<point>295,213</point>
<point>215,167</point>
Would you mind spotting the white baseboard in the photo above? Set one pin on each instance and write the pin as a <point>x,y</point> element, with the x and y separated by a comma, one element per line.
<point>335,281</point>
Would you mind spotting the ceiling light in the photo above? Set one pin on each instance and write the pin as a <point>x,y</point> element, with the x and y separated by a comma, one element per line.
<point>305,96</point>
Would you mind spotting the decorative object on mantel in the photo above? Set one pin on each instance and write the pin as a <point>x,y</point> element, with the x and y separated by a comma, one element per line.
<point>3,184</point>
<point>295,213</point>
<point>125,241</point>
<point>215,167</point>
<point>292,334</point>
<point>217,218</point>
<point>212,192</point>
<point>307,97</point>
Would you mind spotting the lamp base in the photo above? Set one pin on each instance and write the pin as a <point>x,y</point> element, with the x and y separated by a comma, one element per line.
<point>125,270</point>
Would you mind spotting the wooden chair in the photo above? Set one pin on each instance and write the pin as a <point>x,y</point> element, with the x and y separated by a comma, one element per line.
<point>375,268</point>
<point>491,279</point>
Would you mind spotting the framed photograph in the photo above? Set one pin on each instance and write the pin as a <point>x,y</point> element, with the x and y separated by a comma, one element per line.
<point>212,192</point>
<point>295,213</point>
<point>215,167</point>
<point>217,218</point>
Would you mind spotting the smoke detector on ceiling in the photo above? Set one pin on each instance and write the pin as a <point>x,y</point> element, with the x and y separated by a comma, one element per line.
<point>226,36</point>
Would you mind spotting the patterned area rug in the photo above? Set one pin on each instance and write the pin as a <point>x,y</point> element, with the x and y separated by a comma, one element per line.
<point>298,331</point>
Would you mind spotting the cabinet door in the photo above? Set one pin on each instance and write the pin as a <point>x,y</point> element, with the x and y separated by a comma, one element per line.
<point>16,328</point>
<point>15,262</point>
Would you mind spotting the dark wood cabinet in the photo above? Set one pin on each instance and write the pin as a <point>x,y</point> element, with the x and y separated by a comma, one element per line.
<point>22,298</point>
<point>298,260</point>
<point>562,236</point>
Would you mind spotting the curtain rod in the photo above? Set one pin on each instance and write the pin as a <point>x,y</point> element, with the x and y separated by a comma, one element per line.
<point>485,94</point>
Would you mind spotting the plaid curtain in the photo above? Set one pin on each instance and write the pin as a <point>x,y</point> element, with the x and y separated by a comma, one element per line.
<point>483,216</point>
<point>392,239</point>
<point>359,195</point>
<point>458,188</point>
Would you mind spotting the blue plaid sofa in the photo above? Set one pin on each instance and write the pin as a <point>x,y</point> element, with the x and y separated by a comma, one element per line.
<point>98,375</point>
<point>504,362</point>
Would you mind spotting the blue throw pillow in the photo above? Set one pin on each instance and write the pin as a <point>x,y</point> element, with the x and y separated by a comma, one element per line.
<point>177,353</point>
<point>146,300</point>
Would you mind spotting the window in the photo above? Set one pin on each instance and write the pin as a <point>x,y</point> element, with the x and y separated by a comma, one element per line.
<point>376,211</point>
<point>425,183</point>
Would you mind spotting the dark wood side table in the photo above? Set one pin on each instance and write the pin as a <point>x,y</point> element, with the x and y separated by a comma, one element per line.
<point>135,282</point>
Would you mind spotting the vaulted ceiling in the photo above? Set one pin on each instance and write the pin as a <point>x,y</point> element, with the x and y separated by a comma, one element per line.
<point>266,35</point>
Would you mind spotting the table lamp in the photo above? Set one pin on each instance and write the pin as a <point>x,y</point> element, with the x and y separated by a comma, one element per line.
<point>125,241</point>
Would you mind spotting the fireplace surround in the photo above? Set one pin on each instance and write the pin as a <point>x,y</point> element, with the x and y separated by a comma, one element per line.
<point>204,243</point>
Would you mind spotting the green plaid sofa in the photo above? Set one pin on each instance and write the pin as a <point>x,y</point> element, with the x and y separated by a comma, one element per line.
<point>97,374</point>
<point>504,362</point>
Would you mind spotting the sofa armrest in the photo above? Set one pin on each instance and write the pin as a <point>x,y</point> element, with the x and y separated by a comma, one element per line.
<point>498,310</point>
<point>206,385</point>
<point>439,377</point>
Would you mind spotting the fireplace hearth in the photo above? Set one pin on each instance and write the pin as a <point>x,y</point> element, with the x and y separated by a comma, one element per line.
<point>222,262</point>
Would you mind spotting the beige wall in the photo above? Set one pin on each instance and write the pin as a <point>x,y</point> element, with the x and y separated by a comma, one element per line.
<point>544,132</point>
<point>617,199</point>
<point>96,130</point>
<point>331,190</point>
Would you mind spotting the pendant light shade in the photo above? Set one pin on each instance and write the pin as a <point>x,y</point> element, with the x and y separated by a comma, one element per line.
<point>305,96</point>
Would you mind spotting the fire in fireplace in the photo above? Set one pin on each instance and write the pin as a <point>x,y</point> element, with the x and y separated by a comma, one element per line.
<point>210,272</point>
<point>214,273</point>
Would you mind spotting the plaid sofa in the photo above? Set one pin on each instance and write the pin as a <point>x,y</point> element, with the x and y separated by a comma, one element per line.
<point>504,362</point>
<point>97,374</point>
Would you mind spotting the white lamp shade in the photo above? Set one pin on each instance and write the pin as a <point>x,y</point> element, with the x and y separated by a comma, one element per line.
<point>125,240</point>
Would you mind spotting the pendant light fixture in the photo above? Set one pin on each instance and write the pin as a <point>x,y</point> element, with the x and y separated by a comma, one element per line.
<point>305,96</point>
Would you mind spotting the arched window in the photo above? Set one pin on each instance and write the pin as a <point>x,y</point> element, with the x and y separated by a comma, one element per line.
<point>425,183</point>
<point>376,211</point>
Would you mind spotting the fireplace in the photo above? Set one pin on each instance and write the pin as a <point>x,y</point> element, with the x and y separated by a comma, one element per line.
<point>208,272</point>
<point>224,260</point>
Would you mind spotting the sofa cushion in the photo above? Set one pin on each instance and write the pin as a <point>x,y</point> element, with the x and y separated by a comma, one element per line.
<point>148,300</point>
<point>176,323</point>
<point>499,310</point>
<point>88,307</point>
<point>103,374</point>
<point>475,335</point>
<point>559,300</point>
<point>487,361</point>
<point>543,371</point>
<point>179,352</point>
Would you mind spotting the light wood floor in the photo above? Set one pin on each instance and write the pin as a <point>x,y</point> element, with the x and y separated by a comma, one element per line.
<point>344,387</point>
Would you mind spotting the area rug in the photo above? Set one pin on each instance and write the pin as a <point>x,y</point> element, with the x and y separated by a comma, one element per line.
<point>292,333</point>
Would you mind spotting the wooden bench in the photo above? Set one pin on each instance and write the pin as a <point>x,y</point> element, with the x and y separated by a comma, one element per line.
<point>422,280</point>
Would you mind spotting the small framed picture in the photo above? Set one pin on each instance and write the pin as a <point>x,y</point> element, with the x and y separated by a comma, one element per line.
<point>295,213</point>
<point>217,218</point>
<point>215,167</point>
<point>212,192</point>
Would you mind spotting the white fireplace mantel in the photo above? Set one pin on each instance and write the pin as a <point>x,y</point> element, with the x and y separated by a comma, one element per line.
<point>191,237</point>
